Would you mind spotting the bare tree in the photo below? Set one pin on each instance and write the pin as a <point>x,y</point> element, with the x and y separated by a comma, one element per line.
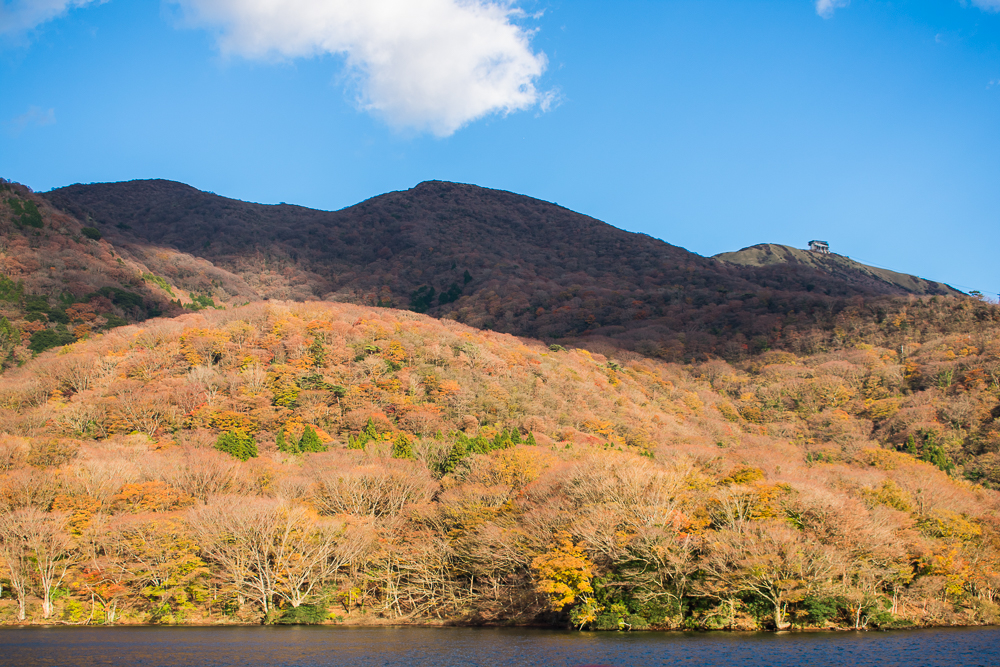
<point>381,488</point>
<point>17,556</point>
<point>41,539</point>
<point>272,548</point>
<point>767,558</point>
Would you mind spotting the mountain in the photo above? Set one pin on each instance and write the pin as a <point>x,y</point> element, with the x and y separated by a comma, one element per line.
<point>496,260</point>
<point>838,266</point>
<point>211,442</point>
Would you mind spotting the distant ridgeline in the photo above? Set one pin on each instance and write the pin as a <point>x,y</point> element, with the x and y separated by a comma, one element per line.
<point>819,257</point>
<point>506,262</point>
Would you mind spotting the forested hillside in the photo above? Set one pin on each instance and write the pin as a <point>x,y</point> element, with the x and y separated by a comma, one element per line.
<point>294,462</point>
<point>188,434</point>
<point>500,261</point>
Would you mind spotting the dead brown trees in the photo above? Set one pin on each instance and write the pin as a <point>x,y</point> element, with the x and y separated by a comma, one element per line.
<point>273,549</point>
<point>766,558</point>
<point>35,544</point>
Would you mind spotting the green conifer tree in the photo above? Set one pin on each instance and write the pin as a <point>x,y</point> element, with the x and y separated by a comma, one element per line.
<point>317,353</point>
<point>480,445</point>
<point>502,440</point>
<point>401,448</point>
<point>309,442</point>
<point>531,440</point>
<point>237,443</point>
<point>368,434</point>
<point>458,452</point>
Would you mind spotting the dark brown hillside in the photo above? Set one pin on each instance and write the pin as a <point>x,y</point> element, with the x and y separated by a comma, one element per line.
<point>494,260</point>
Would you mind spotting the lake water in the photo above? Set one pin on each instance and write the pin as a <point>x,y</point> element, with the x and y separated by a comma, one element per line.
<point>303,646</point>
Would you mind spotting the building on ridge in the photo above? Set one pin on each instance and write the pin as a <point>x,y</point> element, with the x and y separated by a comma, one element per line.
<point>821,247</point>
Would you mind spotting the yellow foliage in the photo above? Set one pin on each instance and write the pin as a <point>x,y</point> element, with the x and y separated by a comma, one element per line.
<point>950,525</point>
<point>229,420</point>
<point>728,412</point>
<point>81,508</point>
<point>883,459</point>
<point>201,346</point>
<point>564,573</point>
<point>599,427</point>
<point>882,409</point>
<point>743,475</point>
<point>519,466</point>
<point>695,404</point>
<point>889,494</point>
<point>394,352</point>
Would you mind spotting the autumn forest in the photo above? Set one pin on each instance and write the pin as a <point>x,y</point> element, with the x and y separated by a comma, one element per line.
<point>615,435</point>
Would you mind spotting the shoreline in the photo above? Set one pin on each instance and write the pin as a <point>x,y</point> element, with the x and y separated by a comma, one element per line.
<point>458,625</point>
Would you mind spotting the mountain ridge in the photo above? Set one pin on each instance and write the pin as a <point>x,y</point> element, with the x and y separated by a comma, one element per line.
<point>489,258</point>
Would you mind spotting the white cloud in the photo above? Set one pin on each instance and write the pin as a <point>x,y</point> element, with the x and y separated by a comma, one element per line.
<point>431,65</point>
<point>987,5</point>
<point>826,8</point>
<point>18,17</point>
<point>33,116</point>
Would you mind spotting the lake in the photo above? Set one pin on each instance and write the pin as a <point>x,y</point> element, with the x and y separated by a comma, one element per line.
<point>304,646</point>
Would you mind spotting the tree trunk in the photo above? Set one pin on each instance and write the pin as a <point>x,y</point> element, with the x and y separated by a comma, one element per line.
<point>779,616</point>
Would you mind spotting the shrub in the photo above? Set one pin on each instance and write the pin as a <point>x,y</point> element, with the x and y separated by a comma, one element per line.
<point>114,321</point>
<point>305,614</point>
<point>119,297</point>
<point>49,338</point>
<point>819,609</point>
<point>26,213</point>
<point>9,290</point>
<point>422,298</point>
<point>401,448</point>
<point>451,295</point>
<point>91,233</point>
<point>36,303</point>
<point>159,282</point>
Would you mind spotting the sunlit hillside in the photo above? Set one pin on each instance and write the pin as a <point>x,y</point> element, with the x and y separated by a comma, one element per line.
<point>327,462</point>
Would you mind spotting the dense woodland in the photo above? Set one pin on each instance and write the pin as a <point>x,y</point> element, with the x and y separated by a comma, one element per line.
<point>319,461</point>
<point>493,260</point>
<point>181,456</point>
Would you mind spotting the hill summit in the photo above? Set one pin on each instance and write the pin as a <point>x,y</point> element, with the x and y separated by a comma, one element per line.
<point>834,265</point>
<point>495,260</point>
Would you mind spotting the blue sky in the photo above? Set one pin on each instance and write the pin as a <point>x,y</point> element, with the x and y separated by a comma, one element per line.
<point>711,124</point>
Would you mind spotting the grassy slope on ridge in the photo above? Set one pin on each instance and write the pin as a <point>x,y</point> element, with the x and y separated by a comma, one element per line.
<point>494,479</point>
<point>773,254</point>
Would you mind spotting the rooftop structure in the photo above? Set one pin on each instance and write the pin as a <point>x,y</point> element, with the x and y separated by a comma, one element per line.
<point>822,247</point>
